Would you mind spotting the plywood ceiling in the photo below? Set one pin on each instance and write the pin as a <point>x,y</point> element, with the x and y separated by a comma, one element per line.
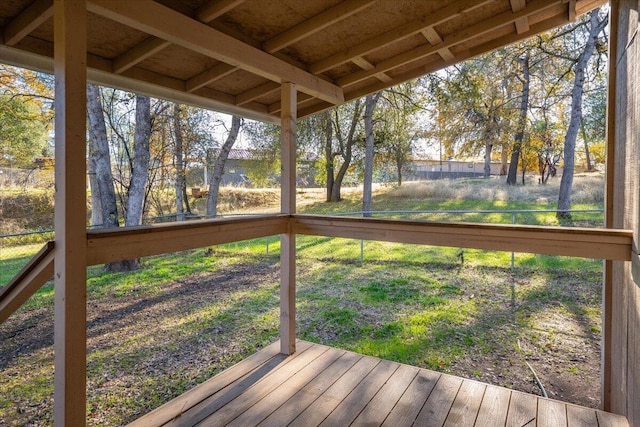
<point>232,55</point>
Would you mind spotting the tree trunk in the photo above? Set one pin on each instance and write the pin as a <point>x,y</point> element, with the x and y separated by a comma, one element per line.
<point>140,169</point>
<point>566,183</point>
<point>587,154</point>
<point>139,173</point>
<point>488,146</point>
<point>101,157</point>
<point>346,145</point>
<point>328,154</point>
<point>522,123</point>
<point>399,166</point>
<point>370,106</point>
<point>96,206</point>
<point>218,168</point>
<point>177,131</point>
<point>504,167</point>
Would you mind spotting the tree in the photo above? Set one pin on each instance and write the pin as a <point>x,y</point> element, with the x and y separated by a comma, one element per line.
<point>181,188</point>
<point>101,158</point>
<point>23,133</point>
<point>340,142</point>
<point>596,26</point>
<point>218,166</point>
<point>369,107</point>
<point>25,116</point>
<point>522,122</point>
<point>141,160</point>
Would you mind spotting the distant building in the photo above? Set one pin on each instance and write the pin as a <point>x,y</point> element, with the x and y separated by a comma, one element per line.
<point>450,168</point>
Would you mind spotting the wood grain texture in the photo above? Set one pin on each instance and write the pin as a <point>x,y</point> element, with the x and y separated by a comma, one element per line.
<point>494,407</point>
<point>522,410</point>
<point>405,412</point>
<point>320,385</point>
<point>436,408</point>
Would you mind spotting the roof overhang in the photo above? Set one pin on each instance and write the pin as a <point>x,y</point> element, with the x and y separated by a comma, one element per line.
<point>233,55</point>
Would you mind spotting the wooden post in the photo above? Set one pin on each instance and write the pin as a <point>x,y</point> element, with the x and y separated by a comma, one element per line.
<point>288,116</point>
<point>70,61</point>
<point>607,279</point>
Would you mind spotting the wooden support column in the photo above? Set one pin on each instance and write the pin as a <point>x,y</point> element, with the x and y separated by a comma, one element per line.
<point>288,116</point>
<point>70,67</point>
<point>607,279</point>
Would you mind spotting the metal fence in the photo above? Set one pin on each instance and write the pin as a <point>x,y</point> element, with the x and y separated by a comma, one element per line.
<point>17,249</point>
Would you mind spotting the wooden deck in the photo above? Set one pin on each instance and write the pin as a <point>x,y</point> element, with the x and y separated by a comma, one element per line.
<point>326,386</point>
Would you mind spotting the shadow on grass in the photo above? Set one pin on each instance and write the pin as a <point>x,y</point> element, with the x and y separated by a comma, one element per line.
<point>434,325</point>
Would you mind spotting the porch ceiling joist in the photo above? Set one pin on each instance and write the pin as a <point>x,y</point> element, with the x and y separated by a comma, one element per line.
<point>449,41</point>
<point>167,24</point>
<point>30,19</point>
<point>385,39</point>
<point>306,28</point>
<point>153,45</point>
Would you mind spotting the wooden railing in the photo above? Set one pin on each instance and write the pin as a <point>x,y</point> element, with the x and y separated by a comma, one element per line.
<point>120,244</point>
<point>27,282</point>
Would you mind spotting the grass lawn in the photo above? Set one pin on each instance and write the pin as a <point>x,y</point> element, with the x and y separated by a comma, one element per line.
<point>183,317</point>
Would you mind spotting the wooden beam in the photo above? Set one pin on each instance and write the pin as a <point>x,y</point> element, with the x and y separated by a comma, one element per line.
<point>437,17</point>
<point>137,80</point>
<point>36,273</point>
<point>317,23</point>
<point>572,11</point>
<point>288,206</point>
<point>257,92</point>
<point>434,38</point>
<point>167,24</point>
<point>522,24</point>
<point>461,36</point>
<point>153,45</point>
<point>276,107</point>
<point>215,8</point>
<point>209,76</point>
<point>577,242</point>
<point>117,245</point>
<point>422,69</point>
<point>139,53</point>
<point>366,65</point>
<point>70,318</point>
<point>608,315</point>
<point>27,21</point>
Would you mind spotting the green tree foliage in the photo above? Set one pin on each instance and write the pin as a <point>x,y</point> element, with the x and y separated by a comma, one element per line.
<point>25,116</point>
<point>23,134</point>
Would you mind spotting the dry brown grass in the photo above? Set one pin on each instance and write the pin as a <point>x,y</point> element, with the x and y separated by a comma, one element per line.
<point>587,188</point>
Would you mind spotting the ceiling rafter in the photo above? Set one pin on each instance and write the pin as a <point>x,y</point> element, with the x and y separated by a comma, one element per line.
<point>572,11</point>
<point>138,53</point>
<point>305,29</point>
<point>215,8</point>
<point>27,21</point>
<point>419,71</point>
<point>461,36</point>
<point>317,23</point>
<point>437,17</point>
<point>152,45</point>
<point>522,24</point>
<point>434,38</point>
<point>165,23</point>
<point>366,65</point>
<point>257,92</point>
<point>209,76</point>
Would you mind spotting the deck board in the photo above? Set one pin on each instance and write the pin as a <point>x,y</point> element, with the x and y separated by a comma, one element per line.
<point>320,385</point>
